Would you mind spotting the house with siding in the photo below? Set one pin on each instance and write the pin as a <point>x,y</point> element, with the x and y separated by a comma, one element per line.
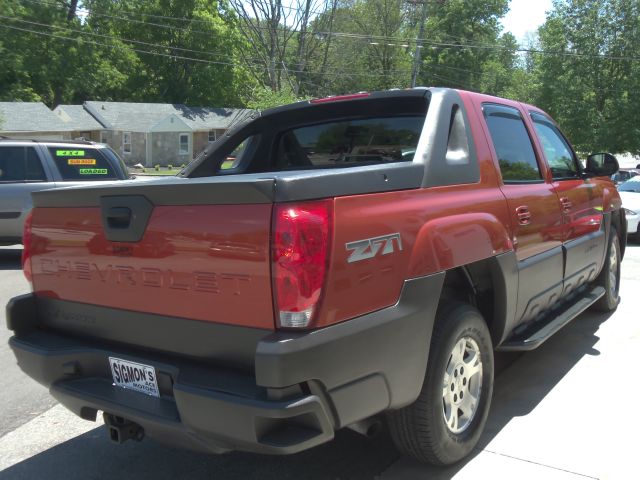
<point>157,133</point>
<point>32,120</point>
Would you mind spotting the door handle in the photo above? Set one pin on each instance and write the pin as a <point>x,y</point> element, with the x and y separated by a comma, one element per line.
<point>524,215</point>
<point>566,204</point>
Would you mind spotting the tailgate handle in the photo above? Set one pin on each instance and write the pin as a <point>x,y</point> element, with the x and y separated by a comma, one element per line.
<point>125,217</point>
<point>119,217</point>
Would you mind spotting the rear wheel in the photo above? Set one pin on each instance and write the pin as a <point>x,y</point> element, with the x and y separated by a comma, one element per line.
<point>444,424</point>
<point>609,277</point>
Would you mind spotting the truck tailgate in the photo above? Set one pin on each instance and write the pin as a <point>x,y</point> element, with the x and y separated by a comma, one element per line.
<point>204,262</point>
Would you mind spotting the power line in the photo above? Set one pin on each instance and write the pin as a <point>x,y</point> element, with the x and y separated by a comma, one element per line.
<point>433,44</point>
<point>195,20</point>
<point>117,46</point>
<point>127,19</point>
<point>359,36</point>
<point>342,74</point>
<point>156,45</point>
<point>371,38</point>
<point>167,17</point>
<point>199,60</point>
<point>138,42</point>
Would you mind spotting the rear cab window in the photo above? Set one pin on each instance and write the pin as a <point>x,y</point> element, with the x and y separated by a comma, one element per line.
<point>378,129</point>
<point>82,163</point>
<point>349,143</point>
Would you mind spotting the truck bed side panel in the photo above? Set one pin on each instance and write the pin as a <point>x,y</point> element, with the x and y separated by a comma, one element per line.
<point>439,229</point>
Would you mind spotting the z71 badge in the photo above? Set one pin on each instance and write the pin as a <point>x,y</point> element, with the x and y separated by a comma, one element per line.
<point>369,247</point>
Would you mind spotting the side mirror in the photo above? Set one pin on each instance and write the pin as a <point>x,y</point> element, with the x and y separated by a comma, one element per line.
<point>601,165</point>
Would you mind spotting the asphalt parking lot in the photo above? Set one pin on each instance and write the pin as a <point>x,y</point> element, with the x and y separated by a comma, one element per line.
<point>567,410</point>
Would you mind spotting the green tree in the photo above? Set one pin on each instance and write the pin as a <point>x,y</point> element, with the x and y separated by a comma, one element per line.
<point>374,55</point>
<point>464,48</point>
<point>263,97</point>
<point>187,51</point>
<point>46,54</point>
<point>588,73</point>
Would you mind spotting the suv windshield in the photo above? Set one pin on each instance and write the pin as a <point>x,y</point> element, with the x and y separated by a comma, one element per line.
<point>82,163</point>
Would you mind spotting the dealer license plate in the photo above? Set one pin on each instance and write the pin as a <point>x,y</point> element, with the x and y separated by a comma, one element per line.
<point>134,376</point>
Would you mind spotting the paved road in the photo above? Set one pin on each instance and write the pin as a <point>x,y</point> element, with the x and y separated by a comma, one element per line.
<point>21,399</point>
<point>566,411</point>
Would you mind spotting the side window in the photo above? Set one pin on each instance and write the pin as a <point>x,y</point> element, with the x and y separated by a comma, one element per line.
<point>458,144</point>
<point>237,155</point>
<point>34,170</point>
<point>12,164</point>
<point>557,151</point>
<point>512,143</point>
<point>183,144</point>
<point>126,142</point>
<point>83,164</point>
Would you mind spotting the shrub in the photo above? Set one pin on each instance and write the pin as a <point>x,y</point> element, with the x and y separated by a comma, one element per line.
<point>170,167</point>
<point>157,167</point>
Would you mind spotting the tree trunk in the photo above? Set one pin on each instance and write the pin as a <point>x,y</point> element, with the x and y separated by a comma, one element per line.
<point>71,13</point>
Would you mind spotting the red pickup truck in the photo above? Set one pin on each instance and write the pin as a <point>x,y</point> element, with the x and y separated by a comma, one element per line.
<point>333,263</point>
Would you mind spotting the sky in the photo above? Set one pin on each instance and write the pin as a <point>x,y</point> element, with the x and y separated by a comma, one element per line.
<point>525,16</point>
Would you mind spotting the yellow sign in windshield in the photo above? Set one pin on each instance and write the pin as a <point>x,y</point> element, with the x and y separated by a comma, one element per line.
<point>81,161</point>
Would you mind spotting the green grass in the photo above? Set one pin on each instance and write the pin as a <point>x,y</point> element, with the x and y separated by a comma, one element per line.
<point>151,171</point>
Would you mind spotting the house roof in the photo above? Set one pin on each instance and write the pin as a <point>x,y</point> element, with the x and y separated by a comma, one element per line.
<point>77,117</point>
<point>29,117</point>
<point>205,118</point>
<point>142,117</point>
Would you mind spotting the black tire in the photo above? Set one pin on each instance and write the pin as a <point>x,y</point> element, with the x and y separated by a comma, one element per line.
<point>420,430</point>
<point>609,302</point>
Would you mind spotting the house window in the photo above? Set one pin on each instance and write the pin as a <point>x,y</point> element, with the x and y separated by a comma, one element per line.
<point>126,142</point>
<point>184,144</point>
<point>212,136</point>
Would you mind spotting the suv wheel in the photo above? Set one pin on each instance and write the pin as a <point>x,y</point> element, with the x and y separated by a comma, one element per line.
<point>445,423</point>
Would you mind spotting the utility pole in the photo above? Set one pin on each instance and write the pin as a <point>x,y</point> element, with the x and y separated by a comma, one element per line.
<point>417,54</point>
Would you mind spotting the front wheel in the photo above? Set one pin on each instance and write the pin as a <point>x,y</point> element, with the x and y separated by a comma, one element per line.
<point>609,277</point>
<point>445,423</point>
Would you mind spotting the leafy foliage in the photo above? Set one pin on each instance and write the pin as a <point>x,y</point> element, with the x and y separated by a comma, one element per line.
<point>262,98</point>
<point>582,66</point>
<point>587,80</point>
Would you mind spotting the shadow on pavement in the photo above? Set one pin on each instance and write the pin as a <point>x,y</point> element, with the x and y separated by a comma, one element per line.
<point>522,382</point>
<point>93,456</point>
<point>11,258</point>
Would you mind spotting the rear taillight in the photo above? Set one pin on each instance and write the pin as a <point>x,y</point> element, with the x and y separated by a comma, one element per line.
<point>26,242</point>
<point>302,234</point>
